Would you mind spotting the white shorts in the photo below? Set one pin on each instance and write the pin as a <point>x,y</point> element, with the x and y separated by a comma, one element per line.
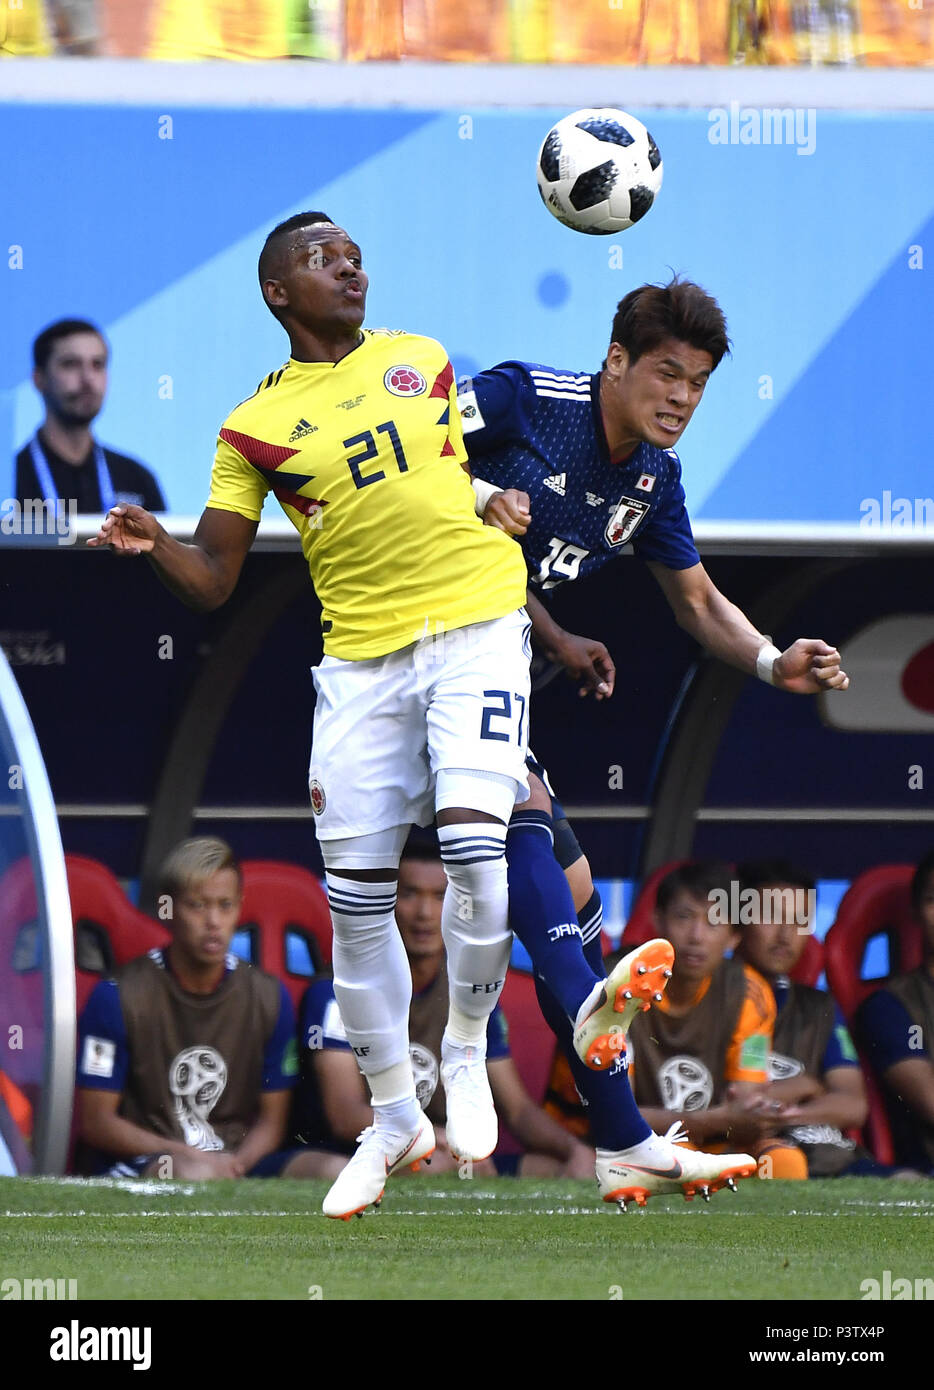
<point>384,728</point>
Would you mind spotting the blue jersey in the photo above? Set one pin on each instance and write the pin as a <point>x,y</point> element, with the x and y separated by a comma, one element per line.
<point>541,431</point>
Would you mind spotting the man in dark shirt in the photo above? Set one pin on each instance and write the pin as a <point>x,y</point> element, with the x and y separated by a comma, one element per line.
<point>63,460</point>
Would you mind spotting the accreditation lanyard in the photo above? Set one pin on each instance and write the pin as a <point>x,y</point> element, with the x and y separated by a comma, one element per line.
<point>44,475</point>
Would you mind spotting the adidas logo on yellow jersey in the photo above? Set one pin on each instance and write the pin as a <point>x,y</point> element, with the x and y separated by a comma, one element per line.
<point>300,430</point>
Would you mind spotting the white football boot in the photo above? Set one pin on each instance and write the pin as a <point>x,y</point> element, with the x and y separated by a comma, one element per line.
<point>471,1125</point>
<point>381,1153</point>
<point>659,1164</point>
<point>634,983</point>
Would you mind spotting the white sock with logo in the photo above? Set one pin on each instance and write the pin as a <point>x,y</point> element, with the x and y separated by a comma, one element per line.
<point>475,925</point>
<point>372,981</point>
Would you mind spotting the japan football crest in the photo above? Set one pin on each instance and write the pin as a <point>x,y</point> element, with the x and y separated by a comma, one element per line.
<point>629,512</point>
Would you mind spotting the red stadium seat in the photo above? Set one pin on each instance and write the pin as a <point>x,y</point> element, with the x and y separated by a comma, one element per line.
<point>285,907</point>
<point>640,926</point>
<point>877,903</point>
<point>531,1042</point>
<point>811,963</point>
<point>104,916</point>
<point>108,929</point>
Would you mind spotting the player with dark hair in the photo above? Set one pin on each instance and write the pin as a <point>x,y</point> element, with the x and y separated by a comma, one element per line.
<point>423,688</point>
<point>63,461</point>
<point>813,1066</point>
<point>701,1056</point>
<point>579,465</point>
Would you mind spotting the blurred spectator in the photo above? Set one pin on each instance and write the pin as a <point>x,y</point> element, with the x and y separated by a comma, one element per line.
<point>896,1027</point>
<point>63,460</point>
<point>701,1055</point>
<point>651,33</point>
<point>333,1107</point>
<point>813,1064</point>
<point>24,31</point>
<point>563,1101</point>
<point>42,28</point>
<point>187,1059</point>
<point>75,26</point>
<point>245,29</point>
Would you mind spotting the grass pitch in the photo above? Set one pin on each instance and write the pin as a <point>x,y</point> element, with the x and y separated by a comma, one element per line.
<point>448,1239</point>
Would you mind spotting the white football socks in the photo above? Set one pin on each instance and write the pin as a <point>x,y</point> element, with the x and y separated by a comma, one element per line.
<point>475,925</point>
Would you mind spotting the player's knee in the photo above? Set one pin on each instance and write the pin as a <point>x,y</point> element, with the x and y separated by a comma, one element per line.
<point>462,793</point>
<point>580,882</point>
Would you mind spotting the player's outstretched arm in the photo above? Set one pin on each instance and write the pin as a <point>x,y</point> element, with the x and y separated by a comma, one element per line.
<point>806,667</point>
<point>203,574</point>
<point>584,658</point>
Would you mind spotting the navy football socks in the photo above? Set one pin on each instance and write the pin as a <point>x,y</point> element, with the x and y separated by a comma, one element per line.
<point>541,911</point>
<point>612,1114</point>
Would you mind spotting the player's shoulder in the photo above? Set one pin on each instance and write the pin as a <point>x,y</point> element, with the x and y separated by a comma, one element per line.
<point>758,990</point>
<point>403,340</point>
<point>665,461</point>
<point>125,461</point>
<point>105,996</point>
<point>546,382</point>
<point>141,967</point>
<point>257,398</point>
<point>316,998</point>
<point>320,1022</point>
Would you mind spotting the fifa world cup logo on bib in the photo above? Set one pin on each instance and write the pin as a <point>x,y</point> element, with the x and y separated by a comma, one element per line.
<point>197,1079</point>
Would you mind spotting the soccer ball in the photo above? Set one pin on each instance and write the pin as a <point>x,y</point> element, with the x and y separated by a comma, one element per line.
<point>599,171</point>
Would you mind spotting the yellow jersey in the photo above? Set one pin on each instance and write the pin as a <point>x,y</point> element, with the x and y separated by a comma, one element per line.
<point>365,457</point>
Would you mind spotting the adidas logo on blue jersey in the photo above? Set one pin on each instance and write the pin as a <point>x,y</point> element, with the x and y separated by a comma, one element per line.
<point>300,430</point>
<point>558,483</point>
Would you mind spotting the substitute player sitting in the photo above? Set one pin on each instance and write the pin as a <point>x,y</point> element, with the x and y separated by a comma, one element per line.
<point>423,688</point>
<point>579,465</point>
<point>187,1059</point>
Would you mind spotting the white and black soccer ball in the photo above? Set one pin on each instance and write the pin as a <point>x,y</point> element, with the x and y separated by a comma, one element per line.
<point>599,171</point>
